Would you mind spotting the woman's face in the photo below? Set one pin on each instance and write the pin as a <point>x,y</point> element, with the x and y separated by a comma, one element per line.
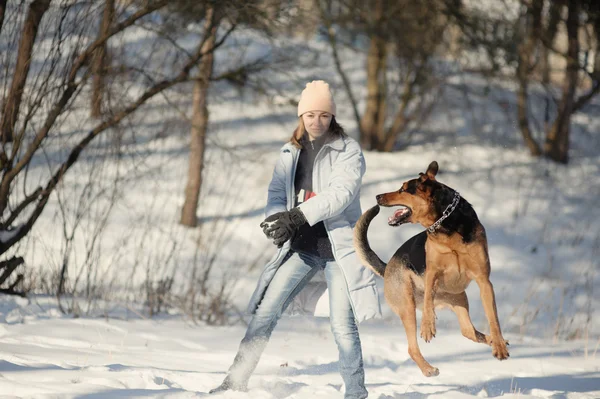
<point>316,123</point>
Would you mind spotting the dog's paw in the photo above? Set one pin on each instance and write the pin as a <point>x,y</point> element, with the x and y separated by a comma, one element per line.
<point>499,349</point>
<point>489,340</point>
<point>428,328</point>
<point>431,371</point>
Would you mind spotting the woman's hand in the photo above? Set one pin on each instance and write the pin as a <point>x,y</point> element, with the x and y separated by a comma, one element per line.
<point>268,223</point>
<point>281,226</point>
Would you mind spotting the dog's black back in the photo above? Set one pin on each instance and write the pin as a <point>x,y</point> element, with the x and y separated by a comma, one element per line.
<point>412,253</point>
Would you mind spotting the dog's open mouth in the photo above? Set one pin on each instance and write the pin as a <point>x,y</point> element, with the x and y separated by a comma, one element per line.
<point>400,216</point>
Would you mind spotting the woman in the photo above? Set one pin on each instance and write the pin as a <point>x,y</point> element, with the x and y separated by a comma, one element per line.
<point>313,204</point>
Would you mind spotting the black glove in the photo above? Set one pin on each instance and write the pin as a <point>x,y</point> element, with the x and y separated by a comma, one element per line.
<point>268,222</point>
<point>284,226</point>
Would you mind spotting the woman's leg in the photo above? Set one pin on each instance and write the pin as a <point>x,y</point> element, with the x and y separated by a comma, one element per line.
<point>289,279</point>
<point>345,332</point>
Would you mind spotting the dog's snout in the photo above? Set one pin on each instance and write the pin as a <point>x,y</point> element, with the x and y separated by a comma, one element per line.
<point>379,199</point>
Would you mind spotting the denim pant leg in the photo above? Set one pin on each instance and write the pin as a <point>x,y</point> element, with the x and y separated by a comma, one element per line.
<point>345,332</point>
<point>288,281</point>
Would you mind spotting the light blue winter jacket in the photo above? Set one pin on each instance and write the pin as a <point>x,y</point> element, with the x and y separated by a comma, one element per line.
<point>337,175</point>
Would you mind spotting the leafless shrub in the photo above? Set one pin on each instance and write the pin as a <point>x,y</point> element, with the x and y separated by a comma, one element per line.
<point>208,293</point>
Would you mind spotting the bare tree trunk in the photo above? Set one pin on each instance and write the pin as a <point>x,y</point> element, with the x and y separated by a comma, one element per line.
<point>594,19</point>
<point>524,69</point>
<point>400,120</point>
<point>99,62</point>
<point>382,95</point>
<point>2,11</point>
<point>376,67</point>
<point>36,11</point>
<point>199,126</point>
<point>523,119</point>
<point>548,37</point>
<point>556,146</point>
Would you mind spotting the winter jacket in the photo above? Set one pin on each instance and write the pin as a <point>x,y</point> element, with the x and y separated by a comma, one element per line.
<point>337,175</point>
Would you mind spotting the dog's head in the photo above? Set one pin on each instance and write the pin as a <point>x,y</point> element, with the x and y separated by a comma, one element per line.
<point>415,198</point>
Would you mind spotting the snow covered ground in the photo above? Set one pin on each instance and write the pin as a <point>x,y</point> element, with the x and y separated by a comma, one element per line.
<point>45,355</point>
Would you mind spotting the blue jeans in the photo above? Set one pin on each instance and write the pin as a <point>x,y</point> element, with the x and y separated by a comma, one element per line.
<point>295,271</point>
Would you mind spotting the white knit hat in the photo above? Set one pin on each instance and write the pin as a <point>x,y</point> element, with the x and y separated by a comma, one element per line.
<point>316,97</point>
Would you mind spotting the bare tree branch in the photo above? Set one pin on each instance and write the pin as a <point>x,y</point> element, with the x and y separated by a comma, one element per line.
<point>17,211</point>
<point>76,151</point>
<point>524,69</point>
<point>71,86</point>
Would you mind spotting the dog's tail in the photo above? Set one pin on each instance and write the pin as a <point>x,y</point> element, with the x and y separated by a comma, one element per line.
<point>361,243</point>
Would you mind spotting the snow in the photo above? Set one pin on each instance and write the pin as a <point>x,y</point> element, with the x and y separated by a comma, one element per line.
<point>46,355</point>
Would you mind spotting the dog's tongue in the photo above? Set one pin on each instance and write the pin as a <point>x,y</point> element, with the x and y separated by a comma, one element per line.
<point>397,215</point>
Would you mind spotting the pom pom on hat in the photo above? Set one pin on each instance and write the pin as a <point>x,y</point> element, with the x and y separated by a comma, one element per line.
<point>316,97</point>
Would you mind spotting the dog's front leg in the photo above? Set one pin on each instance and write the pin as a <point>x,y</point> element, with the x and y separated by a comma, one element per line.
<point>428,319</point>
<point>488,298</point>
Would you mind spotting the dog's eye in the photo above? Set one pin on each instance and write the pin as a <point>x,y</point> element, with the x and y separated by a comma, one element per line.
<point>401,190</point>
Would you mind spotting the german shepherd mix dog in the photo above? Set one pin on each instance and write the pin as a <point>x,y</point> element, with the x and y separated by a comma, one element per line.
<point>433,269</point>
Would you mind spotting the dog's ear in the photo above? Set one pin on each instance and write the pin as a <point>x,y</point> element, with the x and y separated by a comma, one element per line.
<point>432,170</point>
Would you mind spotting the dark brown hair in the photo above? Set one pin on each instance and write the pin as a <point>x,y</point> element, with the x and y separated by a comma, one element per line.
<point>335,130</point>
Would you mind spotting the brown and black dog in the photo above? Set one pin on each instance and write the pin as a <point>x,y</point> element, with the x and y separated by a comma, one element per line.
<point>433,269</point>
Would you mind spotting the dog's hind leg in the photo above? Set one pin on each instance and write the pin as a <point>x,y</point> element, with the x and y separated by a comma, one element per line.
<point>459,304</point>
<point>498,343</point>
<point>478,263</point>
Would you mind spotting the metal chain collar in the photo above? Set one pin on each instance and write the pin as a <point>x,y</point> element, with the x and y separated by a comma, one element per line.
<point>449,209</point>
